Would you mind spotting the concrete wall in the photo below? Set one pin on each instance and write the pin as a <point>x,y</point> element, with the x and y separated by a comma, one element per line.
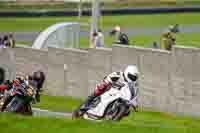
<point>123,55</point>
<point>185,81</point>
<point>55,78</point>
<point>76,75</point>
<point>154,67</point>
<point>29,60</point>
<point>99,65</point>
<point>170,81</point>
<point>7,63</point>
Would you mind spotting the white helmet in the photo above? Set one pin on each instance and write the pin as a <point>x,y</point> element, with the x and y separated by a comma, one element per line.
<point>131,73</point>
<point>117,28</point>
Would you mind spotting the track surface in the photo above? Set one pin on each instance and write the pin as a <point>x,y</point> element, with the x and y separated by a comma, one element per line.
<point>41,112</point>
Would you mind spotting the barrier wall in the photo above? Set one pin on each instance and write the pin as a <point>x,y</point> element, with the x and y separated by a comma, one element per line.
<point>55,78</point>
<point>29,60</point>
<point>123,55</point>
<point>99,65</point>
<point>169,81</point>
<point>185,81</point>
<point>7,64</point>
<point>76,75</point>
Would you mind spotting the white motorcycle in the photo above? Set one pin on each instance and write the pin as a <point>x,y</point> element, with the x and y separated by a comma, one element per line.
<point>114,104</point>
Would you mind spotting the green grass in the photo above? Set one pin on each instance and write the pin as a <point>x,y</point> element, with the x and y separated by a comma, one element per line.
<point>142,122</point>
<point>39,24</point>
<point>27,43</point>
<point>126,21</point>
<point>185,39</point>
<point>60,104</point>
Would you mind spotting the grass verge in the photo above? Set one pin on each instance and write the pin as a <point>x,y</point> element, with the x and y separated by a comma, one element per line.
<point>60,104</point>
<point>141,122</point>
<point>126,21</point>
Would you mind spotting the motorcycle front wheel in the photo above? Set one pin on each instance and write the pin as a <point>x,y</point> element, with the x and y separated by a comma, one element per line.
<point>116,113</point>
<point>26,110</point>
<point>15,105</point>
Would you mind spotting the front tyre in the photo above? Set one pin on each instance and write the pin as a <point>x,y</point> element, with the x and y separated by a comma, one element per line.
<point>116,111</point>
<point>123,110</point>
<point>15,105</point>
<point>26,110</point>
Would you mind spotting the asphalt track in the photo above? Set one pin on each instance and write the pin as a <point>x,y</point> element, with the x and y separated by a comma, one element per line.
<point>41,112</point>
<point>31,36</point>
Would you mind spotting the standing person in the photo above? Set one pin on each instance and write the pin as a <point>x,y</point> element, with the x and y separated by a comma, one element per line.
<point>93,41</point>
<point>121,38</point>
<point>99,39</point>
<point>11,40</point>
<point>6,41</point>
<point>2,45</point>
<point>169,37</point>
<point>1,42</point>
<point>38,79</point>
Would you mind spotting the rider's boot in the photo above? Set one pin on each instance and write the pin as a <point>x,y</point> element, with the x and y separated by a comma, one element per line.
<point>85,106</point>
<point>87,102</point>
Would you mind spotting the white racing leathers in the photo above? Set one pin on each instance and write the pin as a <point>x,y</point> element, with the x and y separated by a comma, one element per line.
<point>119,88</point>
<point>117,80</point>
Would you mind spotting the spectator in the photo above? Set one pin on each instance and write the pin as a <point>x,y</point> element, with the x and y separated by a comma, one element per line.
<point>121,38</point>
<point>11,41</point>
<point>93,41</point>
<point>175,28</point>
<point>2,43</point>
<point>38,79</point>
<point>169,37</point>
<point>6,41</point>
<point>99,39</point>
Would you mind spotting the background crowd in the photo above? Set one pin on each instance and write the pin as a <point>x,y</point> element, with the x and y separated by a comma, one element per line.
<point>7,41</point>
<point>167,40</point>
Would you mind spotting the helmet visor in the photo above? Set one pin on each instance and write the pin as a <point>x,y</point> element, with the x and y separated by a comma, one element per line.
<point>132,77</point>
